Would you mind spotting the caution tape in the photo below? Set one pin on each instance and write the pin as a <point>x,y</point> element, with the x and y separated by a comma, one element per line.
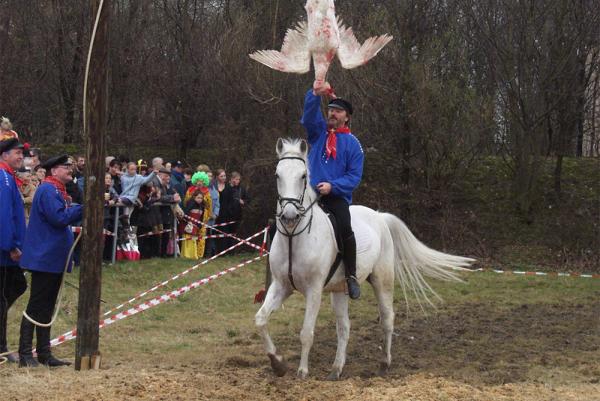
<point>151,233</point>
<point>222,224</point>
<point>154,302</point>
<point>531,273</point>
<point>77,230</point>
<point>198,222</point>
<point>177,276</point>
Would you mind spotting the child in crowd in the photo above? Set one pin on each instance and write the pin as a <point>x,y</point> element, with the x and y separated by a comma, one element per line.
<point>130,186</point>
<point>192,234</point>
<point>200,182</point>
<point>27,190</point>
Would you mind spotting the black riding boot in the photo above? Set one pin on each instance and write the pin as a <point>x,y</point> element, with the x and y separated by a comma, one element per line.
<point>26,359</point>
<point>350,264</point>
<point>45,356</point>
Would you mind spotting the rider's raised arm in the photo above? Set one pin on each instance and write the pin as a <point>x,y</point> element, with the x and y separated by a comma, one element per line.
<point>312,118</point>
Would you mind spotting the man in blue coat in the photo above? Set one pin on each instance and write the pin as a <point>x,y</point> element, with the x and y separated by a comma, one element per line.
<point>47,244</point>
<point>12,234</point>
<point>335,161</point>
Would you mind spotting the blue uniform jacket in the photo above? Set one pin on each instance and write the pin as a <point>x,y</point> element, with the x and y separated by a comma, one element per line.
<point>12,219</point>
<point>49,236</point>
<point>343,173</point>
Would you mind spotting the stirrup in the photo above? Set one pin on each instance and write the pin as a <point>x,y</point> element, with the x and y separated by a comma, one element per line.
<point>353,287</point>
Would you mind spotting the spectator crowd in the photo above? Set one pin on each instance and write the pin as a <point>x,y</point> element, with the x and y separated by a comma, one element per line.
<point>156,203</point>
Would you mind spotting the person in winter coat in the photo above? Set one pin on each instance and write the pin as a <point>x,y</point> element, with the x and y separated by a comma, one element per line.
<point>12,235</point>
<point>48,241</point>
<point>233,200</point>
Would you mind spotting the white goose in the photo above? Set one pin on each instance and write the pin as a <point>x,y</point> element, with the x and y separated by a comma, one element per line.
<point>322,36</point>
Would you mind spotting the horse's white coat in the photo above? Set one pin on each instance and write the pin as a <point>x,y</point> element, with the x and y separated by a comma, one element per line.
<point>385,248</point>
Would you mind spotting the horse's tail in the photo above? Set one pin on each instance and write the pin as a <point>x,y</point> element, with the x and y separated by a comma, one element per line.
<point>413,260</point>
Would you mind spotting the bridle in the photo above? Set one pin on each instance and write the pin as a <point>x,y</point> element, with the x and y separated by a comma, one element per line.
<point>298,204</point>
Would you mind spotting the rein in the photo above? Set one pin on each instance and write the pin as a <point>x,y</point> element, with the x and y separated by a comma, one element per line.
<point>298,203</point>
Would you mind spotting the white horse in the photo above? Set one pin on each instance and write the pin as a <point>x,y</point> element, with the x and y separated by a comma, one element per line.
<point>304,249</point>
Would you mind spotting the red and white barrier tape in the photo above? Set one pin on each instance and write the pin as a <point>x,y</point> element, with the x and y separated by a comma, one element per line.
<point>77,230</point>
<point>528,273</point>
<point>151,233</point>
<point>198,222</point>
<point>205,237</point>
<point>154,302</point>
<point>222,224</point>
<point>175,277</point>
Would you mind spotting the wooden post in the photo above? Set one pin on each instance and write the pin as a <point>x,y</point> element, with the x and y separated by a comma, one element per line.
<point>87,355</point>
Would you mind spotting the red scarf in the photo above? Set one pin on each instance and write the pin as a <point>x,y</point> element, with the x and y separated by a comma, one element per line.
<point>60,187</point>
<point>10,171</point>
<point>330,146</point>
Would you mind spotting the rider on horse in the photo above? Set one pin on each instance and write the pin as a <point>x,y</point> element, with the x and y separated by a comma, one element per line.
<point>335,161</point>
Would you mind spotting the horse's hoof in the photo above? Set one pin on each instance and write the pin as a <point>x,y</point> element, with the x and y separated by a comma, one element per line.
<point>302,374</point>
<point>278,364</point>
<point>334,376</point>
<point>383,369</point>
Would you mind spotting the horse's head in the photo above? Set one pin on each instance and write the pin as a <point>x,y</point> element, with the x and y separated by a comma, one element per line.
<point>292,179</point>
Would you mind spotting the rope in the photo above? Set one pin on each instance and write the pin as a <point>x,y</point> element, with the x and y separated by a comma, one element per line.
<point>57,308</point>
<point>3,356</point>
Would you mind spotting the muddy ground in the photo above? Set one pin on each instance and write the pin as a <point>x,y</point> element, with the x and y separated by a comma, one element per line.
<point>462,352</point>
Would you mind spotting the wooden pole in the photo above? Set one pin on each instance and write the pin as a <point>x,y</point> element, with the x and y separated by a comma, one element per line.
<point>87,355</point>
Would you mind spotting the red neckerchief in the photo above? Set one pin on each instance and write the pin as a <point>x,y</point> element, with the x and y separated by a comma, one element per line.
<point>9,170</point>
<point>60,187</point>
<point>204,190</point>
<point>330,146</point>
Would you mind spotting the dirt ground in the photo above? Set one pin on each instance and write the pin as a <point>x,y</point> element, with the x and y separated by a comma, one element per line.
<point>465,352</point>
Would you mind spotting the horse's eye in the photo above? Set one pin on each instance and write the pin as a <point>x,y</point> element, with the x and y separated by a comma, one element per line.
<point>276,175</point>
<point>304,177</point>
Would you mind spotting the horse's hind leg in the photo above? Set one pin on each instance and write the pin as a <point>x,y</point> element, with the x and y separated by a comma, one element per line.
<point>275,296</point>
<point>339,302</point>
<point>384,291</point>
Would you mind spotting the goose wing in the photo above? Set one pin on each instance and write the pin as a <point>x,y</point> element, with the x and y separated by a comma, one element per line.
<point>294,55</point>
<point>352,54</point>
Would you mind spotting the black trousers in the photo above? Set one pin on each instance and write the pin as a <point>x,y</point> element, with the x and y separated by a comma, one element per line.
<point>341,210</point>
<point>12,286</point>
<point>149,246</point>
<point>165,238</point>
<point>42,300</point>
<point>224,243</point>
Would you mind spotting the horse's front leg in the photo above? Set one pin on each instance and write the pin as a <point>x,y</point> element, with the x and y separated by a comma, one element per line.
<point>313,303</point>
<point>339,302</point>
<point>276,294</point>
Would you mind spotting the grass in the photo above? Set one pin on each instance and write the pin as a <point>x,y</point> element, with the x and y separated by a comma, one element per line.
<point>492,330</point>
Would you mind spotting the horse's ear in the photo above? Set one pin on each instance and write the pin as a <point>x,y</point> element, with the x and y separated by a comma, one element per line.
<point>303,147</point>
<point>279,147</point>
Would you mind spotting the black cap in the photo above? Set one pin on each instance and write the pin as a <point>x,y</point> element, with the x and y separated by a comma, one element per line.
<point>341,104</point>
<point>13,143</point>
<point>62,160</point>
<point>176,163</point>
